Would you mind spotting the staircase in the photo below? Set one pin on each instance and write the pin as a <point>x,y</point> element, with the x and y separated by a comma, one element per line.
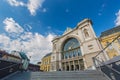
<point>59,75</point>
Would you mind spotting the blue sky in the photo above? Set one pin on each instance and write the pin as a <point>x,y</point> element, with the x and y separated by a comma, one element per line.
<point>22,21</point>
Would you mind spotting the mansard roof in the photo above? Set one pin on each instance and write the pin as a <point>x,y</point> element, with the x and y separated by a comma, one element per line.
<point>110,31</point>
<point>47,55</point>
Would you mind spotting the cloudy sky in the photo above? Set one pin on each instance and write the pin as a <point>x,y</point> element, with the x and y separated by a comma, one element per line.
<point>30,25</point>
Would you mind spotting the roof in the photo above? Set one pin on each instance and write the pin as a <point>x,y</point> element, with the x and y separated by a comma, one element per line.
<point>2,53</point>
<point>47,55</point>
<point>15,53</point>
<point>110,31</point>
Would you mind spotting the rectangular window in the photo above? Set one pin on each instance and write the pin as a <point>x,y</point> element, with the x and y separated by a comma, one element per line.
<point>109,45</point>
<point>118,40</point>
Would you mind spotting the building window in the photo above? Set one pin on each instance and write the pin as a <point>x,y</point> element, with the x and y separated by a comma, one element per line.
<point>109,45</point>
<point>73,54</point>
<point>79,52</point>
<point>118,40</point>
<point>70,48</point>
<point>66,55</point>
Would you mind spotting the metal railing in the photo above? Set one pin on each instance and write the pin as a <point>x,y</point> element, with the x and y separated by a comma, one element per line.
<point>108,60</point>
<point>8,68</point>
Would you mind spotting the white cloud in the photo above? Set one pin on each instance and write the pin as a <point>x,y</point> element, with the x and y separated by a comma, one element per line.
<point>15,3</point>
<point>34,44</point>
<point>38,46</point>
<point>11,26</point>
<point>117,21</point>
<point>101,10</point>
<point>4,41</point>
<point>27,27</point>
<point>32,5</point>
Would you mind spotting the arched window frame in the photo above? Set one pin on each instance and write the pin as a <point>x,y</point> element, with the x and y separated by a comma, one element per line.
<point>73,51</point>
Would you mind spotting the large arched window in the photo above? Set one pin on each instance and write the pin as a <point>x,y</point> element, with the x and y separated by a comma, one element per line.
<point>71,48</point>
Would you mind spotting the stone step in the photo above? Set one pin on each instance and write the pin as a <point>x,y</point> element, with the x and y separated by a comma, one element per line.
<point>66,72</point>
<point>61,75</point>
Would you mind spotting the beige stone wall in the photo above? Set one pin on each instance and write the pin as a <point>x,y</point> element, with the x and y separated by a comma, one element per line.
<point>89,44</point>
<point>88,60</point>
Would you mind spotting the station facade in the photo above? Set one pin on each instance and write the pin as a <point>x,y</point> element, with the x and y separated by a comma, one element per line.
<point>75,48</point>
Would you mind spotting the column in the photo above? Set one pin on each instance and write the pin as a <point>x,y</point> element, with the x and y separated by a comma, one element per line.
<point>69,66</point>
<point>73,65</point>
<point>79,64</point>
<point>65,67</point>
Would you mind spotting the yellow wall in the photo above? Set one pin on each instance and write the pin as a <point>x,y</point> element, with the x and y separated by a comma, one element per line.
<point>111,51</point>
<point>45,64</point>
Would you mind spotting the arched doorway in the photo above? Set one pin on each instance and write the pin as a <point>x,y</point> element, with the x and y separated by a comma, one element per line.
<point>71,52</point>
<point>67,68</point>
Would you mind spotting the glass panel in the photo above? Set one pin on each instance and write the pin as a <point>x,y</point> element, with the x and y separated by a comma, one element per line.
<point>71,44</point>
<point>70,55</point>
<point>79,52</point>
<point>71,48</point>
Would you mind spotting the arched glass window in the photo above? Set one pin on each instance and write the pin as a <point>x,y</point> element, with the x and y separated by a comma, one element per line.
<point>79,52</point>
<point>71,47</point>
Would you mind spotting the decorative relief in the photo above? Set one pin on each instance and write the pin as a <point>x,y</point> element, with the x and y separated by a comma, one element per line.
<point>54,46</point>
<point>86,33</point>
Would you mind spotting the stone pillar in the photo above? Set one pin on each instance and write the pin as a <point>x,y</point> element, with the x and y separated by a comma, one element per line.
<point>84,62</point>
<point>69,66</point>
<point>74,65</point>
<point>79,64</point>
<point>65,66</point>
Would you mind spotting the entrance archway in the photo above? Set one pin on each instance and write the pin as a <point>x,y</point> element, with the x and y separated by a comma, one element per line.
<point>70,51</point>
<point>67,68</point>
<point>72,67</point>
<point>76,67</point>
